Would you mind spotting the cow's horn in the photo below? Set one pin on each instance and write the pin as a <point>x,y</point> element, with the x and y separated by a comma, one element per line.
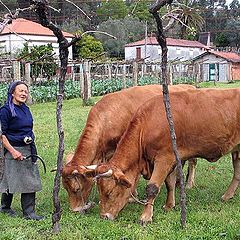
<point>91,167</point>
<point>106,174</point>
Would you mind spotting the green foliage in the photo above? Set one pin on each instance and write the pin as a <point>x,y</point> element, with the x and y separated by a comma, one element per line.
<point>89,47</point>
<point>43,64</point>
<point>183,80</point>
<point>113,9</point>
<point>140,10</point>
<point>47,91</point>
<point>221,40</point>
<point>126,30</point>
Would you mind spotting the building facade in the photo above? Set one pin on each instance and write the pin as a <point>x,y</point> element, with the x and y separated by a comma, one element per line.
<point>149,50</point>
<point>23,31</point>
<point>218,66</point>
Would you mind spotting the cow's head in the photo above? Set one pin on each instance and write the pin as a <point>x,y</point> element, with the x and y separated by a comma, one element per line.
<point>77,185</point>
<point>114,189</point>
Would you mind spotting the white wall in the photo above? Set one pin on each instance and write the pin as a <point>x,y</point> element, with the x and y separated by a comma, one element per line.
<point>154,51</point>
<point>12,43</point>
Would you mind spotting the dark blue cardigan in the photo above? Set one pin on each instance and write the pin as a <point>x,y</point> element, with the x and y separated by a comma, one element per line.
<point>16,128</point>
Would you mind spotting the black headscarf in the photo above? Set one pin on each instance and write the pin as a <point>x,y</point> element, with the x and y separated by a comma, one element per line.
<point>11,89</point>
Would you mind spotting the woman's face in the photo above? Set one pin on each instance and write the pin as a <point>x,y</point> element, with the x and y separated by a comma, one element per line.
<point>20,94</point>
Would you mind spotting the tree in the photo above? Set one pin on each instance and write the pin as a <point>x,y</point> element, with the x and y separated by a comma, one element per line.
<point>139,10</point>
<point>89,47</point>
<point>190,18</point>
<point>113,9</point>
<point>126,30</point>
<point>221,40</point>
<point>42,60</point>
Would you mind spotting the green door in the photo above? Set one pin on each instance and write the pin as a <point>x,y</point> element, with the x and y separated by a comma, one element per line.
<point>213,75</point>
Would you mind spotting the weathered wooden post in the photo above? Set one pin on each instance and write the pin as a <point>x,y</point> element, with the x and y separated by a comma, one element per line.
<point>109,67</point>
<point>16,70</point>
<point>81,76</point>
<point>124,76</point>
<point>166,99</point>
<point>28,79</point>
<point>41,9</point>
<point>135,73</point>
<point>86,82</point>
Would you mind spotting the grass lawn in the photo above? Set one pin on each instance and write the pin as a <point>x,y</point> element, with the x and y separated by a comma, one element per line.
<point>207,216</point>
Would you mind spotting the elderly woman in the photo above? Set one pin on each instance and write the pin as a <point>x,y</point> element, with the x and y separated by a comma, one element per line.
<point>20,174</point>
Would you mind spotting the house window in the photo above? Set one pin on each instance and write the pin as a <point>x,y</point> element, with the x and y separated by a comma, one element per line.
<point>178,51</point>
<point>191,52</point>
<point>138,53</point>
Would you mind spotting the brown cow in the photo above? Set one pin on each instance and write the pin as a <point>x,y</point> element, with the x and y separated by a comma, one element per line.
<point>106,123</point>
<point>207,126</point>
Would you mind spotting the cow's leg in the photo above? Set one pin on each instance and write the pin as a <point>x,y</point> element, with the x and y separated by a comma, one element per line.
<point>161,170</point>
<point>191,173</point>
<point>170,185</point>
<point>236,177</point>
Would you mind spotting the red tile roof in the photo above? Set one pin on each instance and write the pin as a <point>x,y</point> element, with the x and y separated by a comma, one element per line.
<point>230,56</point>
<point>170,42</point>
<point>23,26</point>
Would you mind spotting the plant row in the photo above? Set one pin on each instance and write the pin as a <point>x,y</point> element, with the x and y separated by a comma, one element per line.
<point>47,91</point>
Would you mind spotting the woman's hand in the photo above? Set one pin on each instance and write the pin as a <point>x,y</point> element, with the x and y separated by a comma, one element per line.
<point>17,155</point>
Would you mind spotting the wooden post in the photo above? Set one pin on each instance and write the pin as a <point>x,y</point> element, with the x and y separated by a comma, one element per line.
<point>124,76</point>
<point>109,71</point>
<point>86,82</point>
<point>135,73</point>
<point>28,79</point>
<point>89,80</point>
<point>16,71</point>
<point>166,99</point>
<point>81,79</point>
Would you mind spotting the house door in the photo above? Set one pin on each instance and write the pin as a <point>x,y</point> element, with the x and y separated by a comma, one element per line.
<point>138,53</point>
<point>213,72</point>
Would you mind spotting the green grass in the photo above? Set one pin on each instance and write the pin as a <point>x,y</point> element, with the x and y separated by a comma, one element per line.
<point>207,216</point>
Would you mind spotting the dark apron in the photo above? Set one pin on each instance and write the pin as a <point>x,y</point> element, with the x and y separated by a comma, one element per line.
<point>20,176</point>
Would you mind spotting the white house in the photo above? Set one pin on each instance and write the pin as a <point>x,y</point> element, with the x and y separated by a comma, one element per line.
<point>23,31</point>
<point>150,50</point>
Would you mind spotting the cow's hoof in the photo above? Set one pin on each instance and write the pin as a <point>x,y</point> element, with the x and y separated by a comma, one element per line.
<point>225,198</point>
<point>190,185</point>
<point>168,208</point>
<point>144,222</point>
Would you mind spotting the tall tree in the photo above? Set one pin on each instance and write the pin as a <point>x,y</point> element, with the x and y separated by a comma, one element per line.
<point>113,9</point>
<point>126,30</point>
<point>189,17</point>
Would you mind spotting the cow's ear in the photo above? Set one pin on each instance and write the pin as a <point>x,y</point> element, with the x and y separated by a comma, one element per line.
<point>124,181</point>
<point>69,157</point>
<point>120,177</point>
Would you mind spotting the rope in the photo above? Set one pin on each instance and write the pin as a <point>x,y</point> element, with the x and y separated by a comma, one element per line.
<point>140,201</point>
